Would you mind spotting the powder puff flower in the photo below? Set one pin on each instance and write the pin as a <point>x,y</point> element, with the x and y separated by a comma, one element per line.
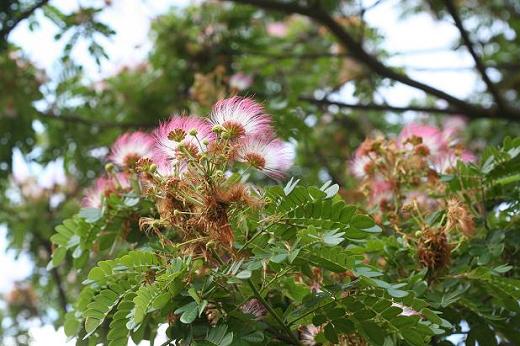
<point>431,137</point>
<point>240,81</point>
<point>95,194</point>
<point>130,147</point>
<point>255,308</point>
<point>240,117</point>
<point>271,156</point>
<point>308,335</point>
<point>182,134</point>
<point>446,161</point>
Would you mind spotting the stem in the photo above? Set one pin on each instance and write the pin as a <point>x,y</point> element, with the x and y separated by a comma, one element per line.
<point>273,313</point>
<point>256,235</point>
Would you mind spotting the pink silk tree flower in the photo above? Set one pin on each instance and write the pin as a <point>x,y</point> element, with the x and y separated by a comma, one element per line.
<point>308,334</point>
<point>240,116</point>
<point>121,180</point>
<point>277,29</point>
<point>452,127</point>
<point>446,161</point>
<point>130,147</point>
<point>181,136</point>
<point>361,163</point>
<point>270,156</point>
<point>381,192</point>
<point>240,81</point>
<point>95,194</point>
<point>431,137</point>
<point>255,308</point>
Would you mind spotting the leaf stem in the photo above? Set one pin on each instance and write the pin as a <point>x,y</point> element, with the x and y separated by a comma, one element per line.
<point>273,313</point>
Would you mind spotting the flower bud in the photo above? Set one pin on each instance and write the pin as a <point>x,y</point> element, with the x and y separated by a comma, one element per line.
<point>218,129</point>
<point>109,167</point>
<point>193,132</point>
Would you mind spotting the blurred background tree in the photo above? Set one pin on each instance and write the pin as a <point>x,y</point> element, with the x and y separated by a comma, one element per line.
<point>302,59</point>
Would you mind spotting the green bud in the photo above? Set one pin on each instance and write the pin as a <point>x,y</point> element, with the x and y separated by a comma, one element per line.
<point>193,132</point>
<point>109,167</point>
<point>218,129</point>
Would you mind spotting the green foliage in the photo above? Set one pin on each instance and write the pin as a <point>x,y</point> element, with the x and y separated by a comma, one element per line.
<point>309,255</point>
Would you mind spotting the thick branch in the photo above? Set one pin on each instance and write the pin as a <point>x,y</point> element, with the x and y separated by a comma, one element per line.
<point>356,50</point>
<point>6,30</point>
<point>478,63</point>
<point>397,109</point>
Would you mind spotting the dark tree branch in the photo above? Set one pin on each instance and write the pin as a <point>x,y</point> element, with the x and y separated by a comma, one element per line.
<point>62,296</point>
<point>378,107</point>
<point>478,62</point>
<point>357,51</point>
<point>6,30</point>
<point>383,107</point>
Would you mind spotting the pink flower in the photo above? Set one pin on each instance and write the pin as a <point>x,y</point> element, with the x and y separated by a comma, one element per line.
<point>308,334</point>
<point>452,127</point>
<point>255,308</point>
<point>103,187</point>
<point>360,163</point>
<point>95,194</point>
<point>240,81</point>
<point>431,137</point>
<point>381,191</point>
<point>130,147</point>
<point>241,117</point>
<point>271,156</point>
<point>121,181</point>
<point>446,161</point>
<point>190,133</point>
<point>277,29</point>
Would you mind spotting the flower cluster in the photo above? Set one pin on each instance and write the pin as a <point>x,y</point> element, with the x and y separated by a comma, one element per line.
<point>185,166</point>
<point>401,179</point>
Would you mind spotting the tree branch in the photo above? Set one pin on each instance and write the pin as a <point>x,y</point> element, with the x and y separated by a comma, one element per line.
<point>6,30</point>
<point>356,50</point>
<point>478,63</point>
<point>396,109</point>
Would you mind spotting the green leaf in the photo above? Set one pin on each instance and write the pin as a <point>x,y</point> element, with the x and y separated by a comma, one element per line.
<point>91,215</point>
<point>189,312</point>
<point>244,274</point>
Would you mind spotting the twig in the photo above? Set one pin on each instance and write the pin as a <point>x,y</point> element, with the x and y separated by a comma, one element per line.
<point>478,62</point>
<point>6,30</point>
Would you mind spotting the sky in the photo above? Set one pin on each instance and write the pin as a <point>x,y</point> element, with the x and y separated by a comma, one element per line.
<point>131,21</point>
